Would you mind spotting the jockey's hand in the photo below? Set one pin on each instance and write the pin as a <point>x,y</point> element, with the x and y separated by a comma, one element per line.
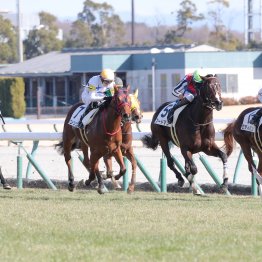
<point>107,98</point>
<point>108,93</point>
<point>180,96</point>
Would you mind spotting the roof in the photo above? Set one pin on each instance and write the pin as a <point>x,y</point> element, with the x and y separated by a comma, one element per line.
<point>53,63</point>
<point>59,63</point>
<point>203,48</point>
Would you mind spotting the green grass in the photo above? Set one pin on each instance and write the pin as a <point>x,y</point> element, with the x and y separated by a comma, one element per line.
<point>45,225</point>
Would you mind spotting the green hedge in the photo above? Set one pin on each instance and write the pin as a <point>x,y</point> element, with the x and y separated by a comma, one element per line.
<point>12,96</point>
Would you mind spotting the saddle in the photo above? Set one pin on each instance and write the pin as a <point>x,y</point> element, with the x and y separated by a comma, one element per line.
<point>162,116</point>
<point>77,114</point>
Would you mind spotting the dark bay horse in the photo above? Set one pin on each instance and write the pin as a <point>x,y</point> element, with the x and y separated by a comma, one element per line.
<point>103,136</point>
<point>127,138</point>
<point>193,132</point>
<point>248,140</point>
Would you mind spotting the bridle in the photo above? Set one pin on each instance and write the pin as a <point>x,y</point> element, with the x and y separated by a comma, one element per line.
<point>118,105</point>
<point>208,89</point>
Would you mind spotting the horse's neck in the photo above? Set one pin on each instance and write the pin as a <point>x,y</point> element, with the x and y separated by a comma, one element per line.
<point>112,119</point>
<point>201,113</point>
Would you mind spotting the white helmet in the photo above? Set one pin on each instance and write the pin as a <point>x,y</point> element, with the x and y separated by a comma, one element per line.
<point>259,96</point>
<point>108,75</point>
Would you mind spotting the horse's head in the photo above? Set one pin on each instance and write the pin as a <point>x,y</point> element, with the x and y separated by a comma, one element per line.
<point>122,103</point>
<point>210,92</point>
<point>135,107</point>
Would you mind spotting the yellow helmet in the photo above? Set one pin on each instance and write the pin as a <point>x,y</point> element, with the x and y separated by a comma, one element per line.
<point>108,74</point>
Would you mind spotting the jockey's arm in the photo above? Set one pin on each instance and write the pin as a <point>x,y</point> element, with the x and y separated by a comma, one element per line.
<point>95,96</point>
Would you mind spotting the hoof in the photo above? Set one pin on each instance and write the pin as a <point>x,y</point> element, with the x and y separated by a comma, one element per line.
<point>87,182</point>
<point>223,189</point>
<point>195,190</point>
<point>115,184</point>
<point>6,186</point>
<point>131,189</point>
<point>102,190</point>
<point>71,187</point>
<point>117,177</point>
<point>180,183</point>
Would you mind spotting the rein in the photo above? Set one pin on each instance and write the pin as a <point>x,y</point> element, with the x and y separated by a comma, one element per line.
<point>104,124</point>
<point>118,111</point>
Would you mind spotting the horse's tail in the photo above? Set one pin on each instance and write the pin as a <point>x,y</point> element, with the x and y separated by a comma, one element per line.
<point>228,138</point>
<point>150,141</point>
<point>60,147</point>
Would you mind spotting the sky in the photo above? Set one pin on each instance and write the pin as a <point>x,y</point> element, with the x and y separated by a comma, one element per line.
<point>151,12</point>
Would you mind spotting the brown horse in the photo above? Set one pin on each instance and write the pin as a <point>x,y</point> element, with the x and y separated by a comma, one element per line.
<point>126,146</point>
<point>193,132</point>
<point>103,136</point>
<point>248,140</point>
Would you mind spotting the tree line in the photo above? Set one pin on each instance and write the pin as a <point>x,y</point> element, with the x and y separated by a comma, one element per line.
<point>97,25</point>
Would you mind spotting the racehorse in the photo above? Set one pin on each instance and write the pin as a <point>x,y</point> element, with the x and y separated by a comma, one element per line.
<point>193,131</point>
<point>126,146</point>
<point>103,137</point>
<point>248,137</point>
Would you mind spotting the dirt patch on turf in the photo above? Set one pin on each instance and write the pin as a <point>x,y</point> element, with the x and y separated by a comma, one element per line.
<point>235,189</point>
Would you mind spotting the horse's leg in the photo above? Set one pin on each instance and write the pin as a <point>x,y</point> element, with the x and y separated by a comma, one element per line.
<point>191,170</point>
<point>67,144</point>
<point>3,181</point>
<point>215,151</point>
<point>86,160</point>
<point>131,157</point>
<point>119,158</point>
<point>94,160</point>
<point>170,161</point>
<point>251,164</point>
<point>109,171</point>
<point>109,168</point>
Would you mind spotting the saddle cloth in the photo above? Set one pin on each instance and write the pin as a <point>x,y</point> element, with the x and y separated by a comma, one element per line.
<point>246,126</point>
<point>75,118</point>
<point>162,116</point>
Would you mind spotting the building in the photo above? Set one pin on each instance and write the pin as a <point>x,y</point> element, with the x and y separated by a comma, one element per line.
<point>55,80</point>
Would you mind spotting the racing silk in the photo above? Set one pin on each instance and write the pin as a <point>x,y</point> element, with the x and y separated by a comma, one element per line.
<point>184,86</point>
<point>95,91</point>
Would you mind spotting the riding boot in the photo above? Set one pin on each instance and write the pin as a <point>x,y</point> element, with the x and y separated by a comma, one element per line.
<point>87,110</point>
<point>180,103</point>
<point>256,117</point>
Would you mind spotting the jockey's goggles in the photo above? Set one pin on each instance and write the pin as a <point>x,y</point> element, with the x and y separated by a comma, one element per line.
<point>106,81</point>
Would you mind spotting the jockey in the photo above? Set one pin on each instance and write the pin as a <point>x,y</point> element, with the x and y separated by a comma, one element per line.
<point>98,89</point>
<point>257,116</point>
<point>185,92</point>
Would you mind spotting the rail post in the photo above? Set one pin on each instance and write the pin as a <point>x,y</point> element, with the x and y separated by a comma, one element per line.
<point>125,176</point>
<point>238,166</point>
<point>146,174</point>
<point>33,152</point>
<point>19,181</point>
<point>211,171</point>
<point>163,164</point>
<point>39,170</point>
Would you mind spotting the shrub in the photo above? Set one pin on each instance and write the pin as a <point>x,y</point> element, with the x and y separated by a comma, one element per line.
<point>12,96</point>
<point>227,101</point>
<point>248,100</point>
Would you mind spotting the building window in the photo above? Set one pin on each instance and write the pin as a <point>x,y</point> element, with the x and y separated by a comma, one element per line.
<point>175,79</point>
<point>229,83</point>
<point>163,81</point>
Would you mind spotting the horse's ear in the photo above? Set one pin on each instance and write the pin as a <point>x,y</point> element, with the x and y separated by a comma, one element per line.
<point>136,93</point>
<point>116,88</point>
